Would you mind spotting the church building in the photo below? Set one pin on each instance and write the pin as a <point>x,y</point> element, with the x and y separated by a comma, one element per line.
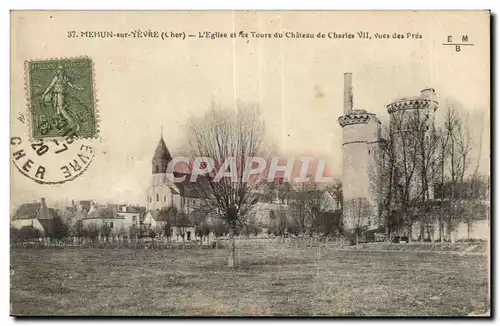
<point>162,193</point>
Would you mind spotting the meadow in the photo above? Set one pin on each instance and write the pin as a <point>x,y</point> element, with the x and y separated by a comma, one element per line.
<point>273,280</point>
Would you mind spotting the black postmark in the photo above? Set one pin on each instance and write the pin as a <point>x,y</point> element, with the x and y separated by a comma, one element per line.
<point>54,161</point>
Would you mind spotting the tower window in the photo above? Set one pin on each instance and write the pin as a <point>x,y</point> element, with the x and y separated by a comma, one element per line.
<point>369,151</point>
<point>157,169</point>
<point>426,127</point>
<point>157,197</point>
<point>164,198</point>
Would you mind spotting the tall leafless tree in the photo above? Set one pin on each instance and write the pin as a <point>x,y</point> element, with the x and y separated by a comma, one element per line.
<point>221,134</point>
<point>405,169</point>
<point>455,161</point>
<point>360,210</point>
<point>382,178</point>
<point>306,199</point>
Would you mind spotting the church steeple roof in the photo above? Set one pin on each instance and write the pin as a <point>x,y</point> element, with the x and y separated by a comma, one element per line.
<point>161,151</point>
<point>161,157</point>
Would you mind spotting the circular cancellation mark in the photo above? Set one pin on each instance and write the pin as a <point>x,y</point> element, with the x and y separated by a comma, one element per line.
<point>51,161</point>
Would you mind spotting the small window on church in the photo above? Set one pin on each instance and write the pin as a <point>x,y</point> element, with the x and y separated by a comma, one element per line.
<point>165,198</point>
<point>369,151</point>
<point>157,169</point>
<point>157,197</point>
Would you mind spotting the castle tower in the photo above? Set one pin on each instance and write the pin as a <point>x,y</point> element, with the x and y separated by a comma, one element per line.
<point>412,124</point>
<point>361,139</point>
<point>159,193</point>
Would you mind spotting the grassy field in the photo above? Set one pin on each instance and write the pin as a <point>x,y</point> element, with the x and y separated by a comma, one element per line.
<point>274,281</point>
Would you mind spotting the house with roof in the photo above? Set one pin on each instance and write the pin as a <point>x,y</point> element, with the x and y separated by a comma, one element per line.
<point>104,215</point>
<point>36,215</point>
<point>156,219</point>
<point>83,206</point>
<point>328,201</point>
<point>131,215</point>
<point>180,225</point>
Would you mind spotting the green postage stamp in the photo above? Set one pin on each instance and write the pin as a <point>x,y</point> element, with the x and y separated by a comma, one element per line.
<point>61,98</point>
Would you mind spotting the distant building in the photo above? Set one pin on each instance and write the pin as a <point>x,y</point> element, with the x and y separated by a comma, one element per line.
<point>328,202</point>
<point>131,215</point>
<point>105,215</point>
<point>83,206</point>
<point>159,219</point>
<point>37,215</point>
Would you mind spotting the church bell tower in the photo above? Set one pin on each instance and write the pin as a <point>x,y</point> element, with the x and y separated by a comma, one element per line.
<point>159,194</point>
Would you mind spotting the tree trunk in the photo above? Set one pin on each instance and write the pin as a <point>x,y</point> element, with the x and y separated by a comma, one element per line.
<point>422,230</point>
<point>441,213</point>
<point>232,250</point>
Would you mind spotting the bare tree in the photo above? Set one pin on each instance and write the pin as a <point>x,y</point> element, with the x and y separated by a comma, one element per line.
<point>199,216</point>
<point>382,179</point>
<point>251,226</point>
<point>219,228</point>
<point>121,233</point>
<point>305,197</point>
<point>329,223</point>
<point>456,157</point>
<point>427,147</point>
<point>338,194</point>
<point>408,167</point>
<point>182,222</point>
<point>478,192</point>
<point>361,210</point>
<point>402,165</point>
<point>171,214</point>
<point>223,135</point>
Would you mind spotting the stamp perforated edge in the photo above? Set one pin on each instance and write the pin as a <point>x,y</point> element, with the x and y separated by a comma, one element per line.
<point>27,88</point>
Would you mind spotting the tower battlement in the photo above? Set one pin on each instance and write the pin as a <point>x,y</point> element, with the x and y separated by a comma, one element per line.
<point>426,101</point>
<point>356,117</point>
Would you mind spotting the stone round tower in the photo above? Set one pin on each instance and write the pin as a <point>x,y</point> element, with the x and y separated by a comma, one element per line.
<point>361,140</point>
<point>412,128</point>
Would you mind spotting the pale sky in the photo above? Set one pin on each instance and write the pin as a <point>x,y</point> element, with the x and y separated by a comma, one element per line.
<point>142,84</point>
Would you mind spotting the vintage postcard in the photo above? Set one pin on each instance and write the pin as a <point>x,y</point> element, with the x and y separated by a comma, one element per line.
<point>250,163</point>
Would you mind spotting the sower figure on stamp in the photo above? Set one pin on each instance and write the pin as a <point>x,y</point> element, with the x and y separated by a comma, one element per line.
<point>57,87</point>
